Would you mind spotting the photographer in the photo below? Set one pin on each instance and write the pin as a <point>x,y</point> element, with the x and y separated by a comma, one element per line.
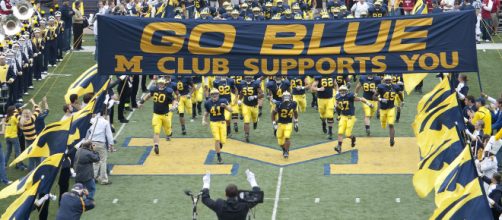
<point>74,203</point>
<point>231,208</point>
<point>84,159</point>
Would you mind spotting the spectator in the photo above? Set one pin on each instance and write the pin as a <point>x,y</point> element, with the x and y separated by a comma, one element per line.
<point>68,111</point>
<point>78,27</point>
<point>3,173</point>
<point>40,121</point>
<point>74,103</point>
<point>495,18</point>
<point>86,99</point>
<point>75,203</point>
<point>486,22</point>
<point>27,125</point>
<point>10,123</point>
<point>5,7</point>
<point>84,159</point>
<point>448,5</point>
<point>462,88</point>
<point>100,134</point>
<point>482,114</point>
<point>67,17</point>
<point>361,7</point>
<point>102,10</point>
<point>470,105</point>
<point>488,165</point>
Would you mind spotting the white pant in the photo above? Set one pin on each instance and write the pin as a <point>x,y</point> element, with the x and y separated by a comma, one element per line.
<point>100,167</point>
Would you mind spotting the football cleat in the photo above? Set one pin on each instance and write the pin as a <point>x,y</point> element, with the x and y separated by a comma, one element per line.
<point>255,125</point>
<point>330,137</point>
<point>247,138</point>
<point>338,149</point>
<point>296,127</point>
<point>392,142</point>
<point>184,132</point>
<point>353,139</point>
<point>156,149</point>
<point>324,129</point>
<point>168,138</point>
<point>368,132</point>
<point>285,154</point>
<point>220,161</point>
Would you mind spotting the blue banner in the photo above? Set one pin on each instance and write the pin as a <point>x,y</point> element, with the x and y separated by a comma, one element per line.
<point>412,44</point>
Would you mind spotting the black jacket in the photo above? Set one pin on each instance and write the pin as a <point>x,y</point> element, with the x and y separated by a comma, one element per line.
<point>496,196</point>
<point>230,209</point>
<point>84,160</point>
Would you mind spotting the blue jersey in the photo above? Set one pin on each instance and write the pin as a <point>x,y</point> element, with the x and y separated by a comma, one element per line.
<point>297,81</point>
<point>345,104</point>
<point>250,89</point>
<point>377,12</point>
<point>161,99</point>
<point>369,86</point>
<point>389,92</point>
<point>184,84</point>
<point>226,88</point>
<point>278,88</point>
<point>285,111</point>
<point>237,81</point>
<point>396,78</point>
<point>342,79</point>
<point>215,110</point>
<point>328,84</point>
<point>197,79</point>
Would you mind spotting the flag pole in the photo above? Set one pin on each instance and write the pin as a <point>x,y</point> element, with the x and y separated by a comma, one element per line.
<point>479,82</point>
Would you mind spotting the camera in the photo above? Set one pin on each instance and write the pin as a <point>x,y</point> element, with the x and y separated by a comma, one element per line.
<point>251,196</point>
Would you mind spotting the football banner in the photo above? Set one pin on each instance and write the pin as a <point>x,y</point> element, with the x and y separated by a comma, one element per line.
<point>412,44</point>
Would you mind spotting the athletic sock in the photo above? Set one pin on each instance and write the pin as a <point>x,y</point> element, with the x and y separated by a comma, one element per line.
<point>194,113</point>
<point>228,129</point>
<point>367,127</point>
<point>221,146</point>
<point>330,130</point>
<point>199,107</point>
<point>218,154</point>
<point>398,115</point>
<point>183,127</point>
<point>339,143</point>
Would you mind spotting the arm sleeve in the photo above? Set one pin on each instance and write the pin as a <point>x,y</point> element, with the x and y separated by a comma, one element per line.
<point>488,165</point>
<point>89,204</point>
<point>496,196</point>
<point>255,189</point>
<point>94,157</point>
<point>109,135</point>
<point>486,179</point>
<point>206,199</point>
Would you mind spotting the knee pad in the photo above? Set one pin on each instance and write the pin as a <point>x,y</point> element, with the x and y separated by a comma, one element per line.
<point>330,120</point>
<point>182,115</point>
<point>235,116</point>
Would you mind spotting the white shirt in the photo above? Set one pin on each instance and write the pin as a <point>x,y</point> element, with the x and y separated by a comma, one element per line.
<point>100,130</point>
<point>101,11</point>
<point>358,8</point>
<point>488,166</point>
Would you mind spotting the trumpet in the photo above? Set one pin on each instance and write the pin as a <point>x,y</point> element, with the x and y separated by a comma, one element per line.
<point>23,10</point>
<point>11,25</point>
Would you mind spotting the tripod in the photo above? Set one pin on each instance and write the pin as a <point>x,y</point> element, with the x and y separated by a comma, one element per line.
<point>195,199</point>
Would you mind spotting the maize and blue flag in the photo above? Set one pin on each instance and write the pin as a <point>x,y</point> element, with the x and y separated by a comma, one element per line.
<point>51,140</point>
<point>22,206</point>
<point>459,194</point>
<point>47,170</point>
<point>436,127</point>
<point>87,82</point>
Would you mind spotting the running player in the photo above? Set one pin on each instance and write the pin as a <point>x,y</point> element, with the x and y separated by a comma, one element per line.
<point>197,97</point>
<point>283,116</point>
<point>386,95</point>
<point>162,96</point>
<point>397,79</point>
<point>345,103</point>
<point>368,84</point>
<point>227,90</point>
<point>324,86</point>
<point>216,108</point>
<point>249,94</point>
<point>275,88</point>
<point>298,89</point>
<point>185,88</point>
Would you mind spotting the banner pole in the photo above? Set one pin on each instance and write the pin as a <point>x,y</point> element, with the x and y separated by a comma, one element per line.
<point>479,82</point>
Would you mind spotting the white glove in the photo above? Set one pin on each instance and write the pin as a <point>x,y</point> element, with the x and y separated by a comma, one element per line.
<point>239,102</point>
<point>250,98</point>
<point>206,180</point>
<point>400,83</point>
<point>73,174</point>
<point>53,197</point>
<point>383,100</point>
<point>491,202</point>
<point>41,201</point>
<point>370,105</point>
<point>274,124</point>
<point>251,178</point>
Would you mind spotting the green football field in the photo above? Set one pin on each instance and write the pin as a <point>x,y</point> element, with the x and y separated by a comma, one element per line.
<point>304,190</point>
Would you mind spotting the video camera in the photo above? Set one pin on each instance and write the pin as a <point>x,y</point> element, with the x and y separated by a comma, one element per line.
<point>251,196</point>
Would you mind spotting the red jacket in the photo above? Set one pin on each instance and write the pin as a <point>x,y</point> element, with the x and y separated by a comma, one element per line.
<point>496,5</point>
<point>484,13</point>
<point>408,5</point>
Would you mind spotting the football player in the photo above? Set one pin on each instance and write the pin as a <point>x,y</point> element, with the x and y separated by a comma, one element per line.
<point>162,96</point>
<point>397,79</point>
<point>386,94</point>
<point>185,88</point>
<point>216,108</point>
<point>377,11</point>
<point>324,86</point>
<point>227,90</point>
<point>197,97</point>
<point>345,103</point>
<point>249,94</point>
<point>275,88</point>
<point>283,117</point>
<point>298,89</point>
<point>368,84</point>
